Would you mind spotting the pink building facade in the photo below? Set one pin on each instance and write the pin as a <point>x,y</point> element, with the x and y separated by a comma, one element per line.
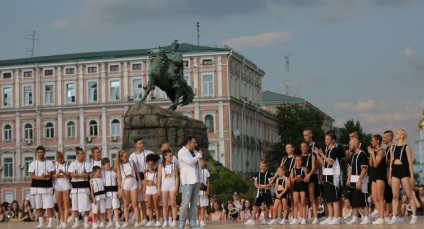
<point>65,101</point>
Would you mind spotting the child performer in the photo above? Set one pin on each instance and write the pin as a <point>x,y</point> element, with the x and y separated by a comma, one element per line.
<point>281,189</point>
<point>168,184</point>
<point>151,188</point>
<point>300,187</point>
<point>263,182</point>
<point>204,190</point>
<point>111,188</point>
<point>98,195</point>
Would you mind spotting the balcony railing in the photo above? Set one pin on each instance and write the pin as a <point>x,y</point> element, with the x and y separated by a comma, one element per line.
<point>15,180</point>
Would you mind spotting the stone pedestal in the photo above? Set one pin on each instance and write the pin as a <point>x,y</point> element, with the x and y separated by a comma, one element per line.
<point>155,125</point>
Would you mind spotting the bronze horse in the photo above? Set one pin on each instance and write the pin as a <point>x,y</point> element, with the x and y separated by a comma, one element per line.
<point>158,76</point>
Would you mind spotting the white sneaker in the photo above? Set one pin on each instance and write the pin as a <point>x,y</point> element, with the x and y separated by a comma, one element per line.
<point>187,222</point>
<point>76,225</point>
<point>264,222</point>
<point>86,225</point>
<point>326,221</point>
<point>202,223</point>
<point>400,219</point>
<point>315,221</point>
<point>158,224</point>
<point>165,224</point>
<point>117,225</point>
<point>354,220</point>
<point>63,225</point>
<point>144,222</point>
<point>367,220</point>
<point>387,219</point>
<point>41,225</point>
<point>95,225</point>
<point>393,220</point>
<point>102,224</point>
<point>294,222</point>
<point>49,226</point>
<point>277,220</point>
<point>110,224</point>
<point>335,221</point>
<point>341,220</point>
<point>303,221</point>
<point>282,222</point>
<point>413,219</point>
<point>59,226</point>
<point>250,222</point>
<point>174,224</point>
<point>272,222</point>
<point>124,225</point>
<point>150,224</point>
<point>378,221</point>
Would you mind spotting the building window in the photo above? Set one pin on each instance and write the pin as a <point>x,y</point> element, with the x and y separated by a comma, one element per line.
<point>48,94</point>
<point>27,162</point>
<point>207,85</point>
<point>8,196</point>
<point>70,93</point>
<point>187,79</point>
<point>116,127</point>
<point>71,157</point>
<point>28,95</point>
<point>92,69</point>
<point>71,131</point>
<point>137,89</point>
<point>207,62</point>
<point>7,75</point>
<point>49,131</point>
<point>209,122</point>
<point>92,92</point>
<point>185,63</point>
<point>48,72</point>
<point>8,167</point>
<point>7,133</point>
<point>114,68</point>
<point>28,74</point>
<point>114,90</point>
<point>136,67</point>
<point>28,132</point>
<point>93,128</point>
<point>70,71</point>
<point>7,97</point>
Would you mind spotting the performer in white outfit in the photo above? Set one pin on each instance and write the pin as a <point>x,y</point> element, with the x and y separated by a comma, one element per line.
<point>41,171</point>
<point>138,157</point>
<point>190,183</point>
<point>62,187</point>
<point>98,195</point>
<point>111,187</point>
<point>80,193</point>
<point>204,191</point>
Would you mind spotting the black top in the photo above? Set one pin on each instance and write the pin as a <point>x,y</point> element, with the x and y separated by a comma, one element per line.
<point>332,154</point>
<point>307,161</point>
<point>388,153</point>
<point>399,153</point>
<point>382,167</point>
<point>281,181</point>
<point>299,171</point>
<point>288,162</point>
<point>263,179</point>
<point>357,162</point>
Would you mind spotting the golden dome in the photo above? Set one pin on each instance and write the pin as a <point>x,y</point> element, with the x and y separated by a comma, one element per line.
<point>421,124</point>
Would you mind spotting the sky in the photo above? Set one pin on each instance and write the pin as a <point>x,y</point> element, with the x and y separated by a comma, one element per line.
<point>361,60</point>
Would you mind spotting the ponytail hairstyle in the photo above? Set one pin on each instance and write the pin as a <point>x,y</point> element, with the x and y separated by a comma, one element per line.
<point>164,153</point>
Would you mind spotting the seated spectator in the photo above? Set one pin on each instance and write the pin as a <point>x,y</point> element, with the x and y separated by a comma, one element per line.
<point>26,213</point>
<point>2,215</point>
<point>347,209</point>
<point>246,213</point>
<point>15,210</point>
<point>230,216</point>
<point>237,201</point>
<point>217,212</point>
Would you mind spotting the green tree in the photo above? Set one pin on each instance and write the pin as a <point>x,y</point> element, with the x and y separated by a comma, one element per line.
<point>292,120</point>
<point>350,126</point>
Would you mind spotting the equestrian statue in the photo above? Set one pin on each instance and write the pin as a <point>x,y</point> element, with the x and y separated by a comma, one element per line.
<point>166,72</point>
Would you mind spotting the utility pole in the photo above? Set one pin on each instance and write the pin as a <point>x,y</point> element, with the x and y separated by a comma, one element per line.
<point>32,38</point>
<point>198,34</point>
<point>288,86</point>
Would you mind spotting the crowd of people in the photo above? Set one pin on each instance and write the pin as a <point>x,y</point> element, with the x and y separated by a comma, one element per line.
<point>324,185</point>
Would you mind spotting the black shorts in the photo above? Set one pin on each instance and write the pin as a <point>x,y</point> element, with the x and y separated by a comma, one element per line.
<point>284,196</point>
<point>330,193</point>
<point>265,197</point>
<point>400,171</point>
<point>358,199</point>
<point>388,193</point>
<point>300,187</point>
<point>378,176</point>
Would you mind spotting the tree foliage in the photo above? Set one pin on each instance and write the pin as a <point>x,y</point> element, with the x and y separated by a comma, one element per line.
<point>292,120</point>
<point>351,126</point>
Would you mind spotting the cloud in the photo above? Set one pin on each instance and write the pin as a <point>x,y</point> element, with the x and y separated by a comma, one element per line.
<point>414,60</point>
<point>258,40</point>
<point>63,23</point>
<point>359,106</point>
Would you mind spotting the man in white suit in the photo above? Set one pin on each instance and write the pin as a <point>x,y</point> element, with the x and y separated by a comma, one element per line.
<point>190,182</point>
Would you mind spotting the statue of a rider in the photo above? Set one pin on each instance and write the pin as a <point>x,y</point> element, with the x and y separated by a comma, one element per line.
<point>175,70</point>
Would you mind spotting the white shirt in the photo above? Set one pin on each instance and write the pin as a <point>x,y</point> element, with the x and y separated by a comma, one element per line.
<point>139,159</point>
<point>188,166</point>
<point>204,175</point>
<point>41,168</point>
<point>80,168</point>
